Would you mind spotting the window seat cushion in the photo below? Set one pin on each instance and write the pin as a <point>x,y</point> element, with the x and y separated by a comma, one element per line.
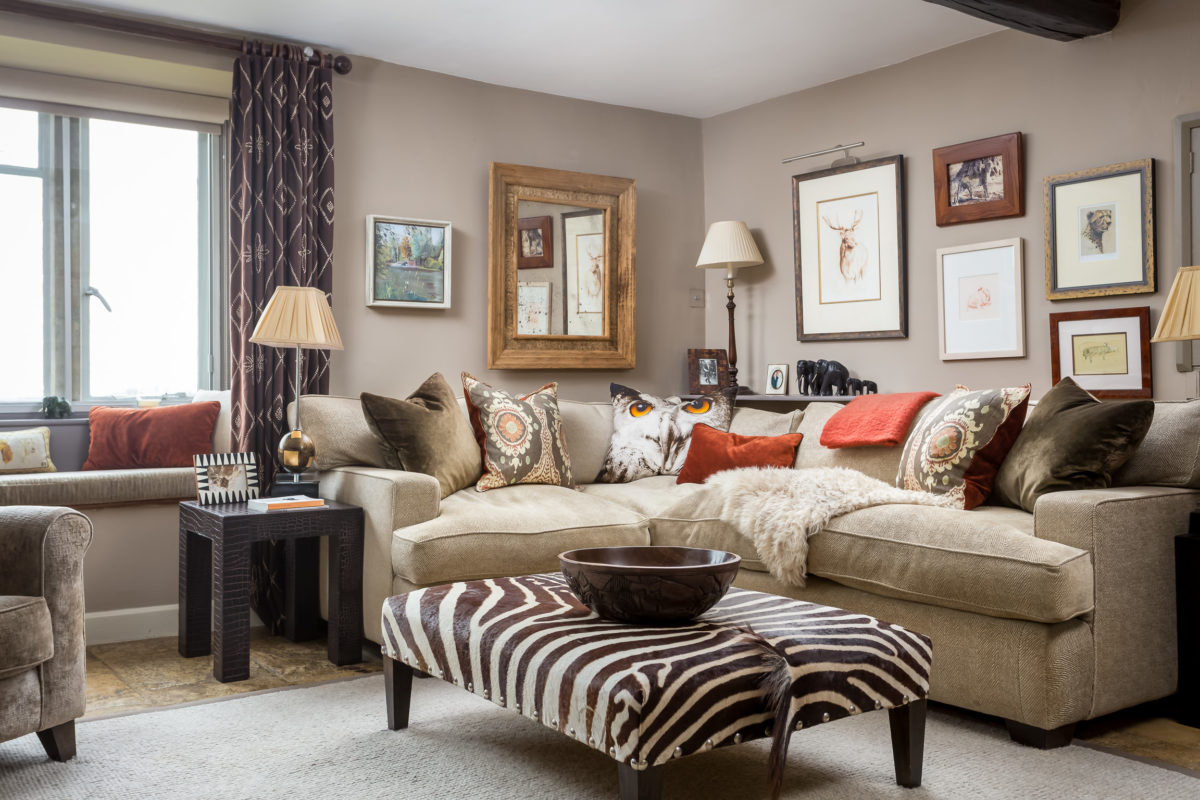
<point>98,487</point>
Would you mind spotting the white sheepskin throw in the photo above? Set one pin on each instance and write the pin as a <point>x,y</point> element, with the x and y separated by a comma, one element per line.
<point>778,509</point>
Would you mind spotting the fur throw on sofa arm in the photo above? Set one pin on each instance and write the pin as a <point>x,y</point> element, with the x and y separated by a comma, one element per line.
<point>778,509</point>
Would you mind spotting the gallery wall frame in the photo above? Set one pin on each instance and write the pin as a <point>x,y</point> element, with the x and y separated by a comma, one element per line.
<point>535,242</point>
<point>584,276</point>
<point>1099,231</point>
<point>1106,351</point>
<point>408,263</point>
<point>981,300</point>
<point>849,240</point>
<point>777,379</point>
<point>979,180</point>
<point>533,308</point>
<point>708,370</point>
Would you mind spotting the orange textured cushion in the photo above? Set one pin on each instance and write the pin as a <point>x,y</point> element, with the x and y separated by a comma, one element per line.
<point>713,450</point>
<point>167,436</point>
<point>874,420</point>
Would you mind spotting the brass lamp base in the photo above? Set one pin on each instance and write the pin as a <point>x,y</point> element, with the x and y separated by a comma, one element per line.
<point>296,451</point>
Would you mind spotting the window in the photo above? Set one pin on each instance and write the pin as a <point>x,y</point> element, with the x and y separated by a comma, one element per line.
<point>110,277</point>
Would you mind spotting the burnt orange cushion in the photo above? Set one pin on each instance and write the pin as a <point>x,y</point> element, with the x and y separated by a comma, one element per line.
<point>713,450</point>
<point>166,436</point>
<point>878,420</point>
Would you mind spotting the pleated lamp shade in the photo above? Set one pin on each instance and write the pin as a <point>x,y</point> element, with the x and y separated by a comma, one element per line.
<point>1180,319</point>
<point>729,245</point>
<point>298,316</point>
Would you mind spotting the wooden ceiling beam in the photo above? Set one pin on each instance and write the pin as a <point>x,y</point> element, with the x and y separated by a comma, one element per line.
<point>1063,20</point>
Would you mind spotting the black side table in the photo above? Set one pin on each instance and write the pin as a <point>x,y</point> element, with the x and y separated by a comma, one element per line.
<point>214,569</point>
<point>1187,613</point>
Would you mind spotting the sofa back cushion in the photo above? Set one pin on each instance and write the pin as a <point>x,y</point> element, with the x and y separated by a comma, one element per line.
<point>588,428</point>
<point>339,432</point>
<point>1170,453</point>
<point>878,462</point>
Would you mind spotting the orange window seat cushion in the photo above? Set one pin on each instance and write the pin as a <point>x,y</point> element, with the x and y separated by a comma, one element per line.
<point>136,438</point>
<point>713,451</point>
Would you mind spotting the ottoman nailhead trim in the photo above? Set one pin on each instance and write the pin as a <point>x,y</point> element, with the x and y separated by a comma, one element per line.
<point>737,738</point>
<point>825,717</point>
<point>800,724</point>
<point>678,753</point>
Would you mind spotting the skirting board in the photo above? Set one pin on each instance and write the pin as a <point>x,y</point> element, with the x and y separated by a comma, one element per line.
<point>132,624</point>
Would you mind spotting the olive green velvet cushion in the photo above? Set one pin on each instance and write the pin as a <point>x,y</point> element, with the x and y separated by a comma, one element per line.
<point>427,432</point>
<point>1071,441</point>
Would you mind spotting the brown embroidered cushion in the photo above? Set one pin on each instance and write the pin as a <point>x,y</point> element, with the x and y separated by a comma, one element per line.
<point>521,438</point>
<point>960,441</point>
<point>1072,441</point>
<point>427,432</point>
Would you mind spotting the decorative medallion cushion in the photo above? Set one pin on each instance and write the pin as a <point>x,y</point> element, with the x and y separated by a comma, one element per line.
<point>713,451</point>
<point>137,438</point>
<point>874,420</point>
<point>25,451</point>
<point>427,432</point>
<point>521,438</point>
<point>1072,441</point>
<point>651,435</point>
<point>960,441</point>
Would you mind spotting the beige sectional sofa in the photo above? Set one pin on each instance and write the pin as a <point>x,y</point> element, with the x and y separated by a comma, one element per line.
<point>1044,619</point>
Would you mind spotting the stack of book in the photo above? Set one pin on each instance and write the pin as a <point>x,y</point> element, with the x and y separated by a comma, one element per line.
<point>283,503</point>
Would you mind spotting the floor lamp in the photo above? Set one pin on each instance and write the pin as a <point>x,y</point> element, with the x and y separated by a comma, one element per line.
<point>299,317</point>
<point>729,246</point>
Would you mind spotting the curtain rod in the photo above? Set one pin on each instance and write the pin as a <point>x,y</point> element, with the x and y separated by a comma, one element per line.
<point>155,30</point>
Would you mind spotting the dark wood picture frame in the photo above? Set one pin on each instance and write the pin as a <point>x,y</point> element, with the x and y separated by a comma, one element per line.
<point>1141,371</point>
<point>694,372</point>
<point>1008,148</point>
<point>545,228</point>
<point>803,224</point>
<point>1138,267</point>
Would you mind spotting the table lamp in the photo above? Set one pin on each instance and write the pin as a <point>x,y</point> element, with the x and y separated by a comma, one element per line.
<point>1180,320</point>
<point>730,246</point>
<point>300,317</point>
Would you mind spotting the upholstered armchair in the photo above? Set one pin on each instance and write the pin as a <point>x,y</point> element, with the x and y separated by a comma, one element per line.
<point>42,657</point>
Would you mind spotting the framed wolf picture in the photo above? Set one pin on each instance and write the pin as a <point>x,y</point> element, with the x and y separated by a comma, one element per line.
<point>849,245</point>
<point>978,180</point>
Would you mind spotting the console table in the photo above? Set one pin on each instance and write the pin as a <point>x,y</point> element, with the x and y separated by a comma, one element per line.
<point>214,578</point>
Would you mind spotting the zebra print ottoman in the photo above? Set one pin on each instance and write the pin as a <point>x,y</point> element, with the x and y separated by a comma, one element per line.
<point>754,666</point>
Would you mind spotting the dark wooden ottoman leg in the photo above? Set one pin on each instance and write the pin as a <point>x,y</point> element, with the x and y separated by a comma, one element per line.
<point>908,741</point>
<point>195,594</point>
<point>345,596</point>
<point>643,785</point>
<point>59,741</point>
<point>397,682</point>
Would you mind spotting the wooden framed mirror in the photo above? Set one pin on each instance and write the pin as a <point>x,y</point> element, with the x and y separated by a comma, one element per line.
<point>560,269</point>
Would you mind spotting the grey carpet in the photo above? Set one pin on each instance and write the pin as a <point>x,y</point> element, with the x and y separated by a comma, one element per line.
<point>331,741</point>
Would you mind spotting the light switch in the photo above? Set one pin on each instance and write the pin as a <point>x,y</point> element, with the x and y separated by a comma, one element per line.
<point>696,298</point>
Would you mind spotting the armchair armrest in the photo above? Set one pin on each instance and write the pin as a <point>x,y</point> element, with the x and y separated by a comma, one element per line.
<point>1130,533</point>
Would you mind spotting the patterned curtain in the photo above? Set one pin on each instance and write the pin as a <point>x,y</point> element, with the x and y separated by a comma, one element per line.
<point>281,233</point>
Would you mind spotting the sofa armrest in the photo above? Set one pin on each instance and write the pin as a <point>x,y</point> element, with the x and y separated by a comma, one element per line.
<point>1130,533</point>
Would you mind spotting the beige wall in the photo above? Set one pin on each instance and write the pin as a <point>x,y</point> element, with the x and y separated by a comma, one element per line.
<point>412,143</point>
<point>1079,105</point>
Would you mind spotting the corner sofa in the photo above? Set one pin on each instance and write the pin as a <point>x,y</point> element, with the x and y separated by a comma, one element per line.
<point>1044,619</point>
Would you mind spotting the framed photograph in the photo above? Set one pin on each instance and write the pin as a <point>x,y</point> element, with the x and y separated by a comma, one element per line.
<point>408,262</point>
<point>1100,231</point>
<point>1107,352</point>
<point>777,379</point>
<point>981,308</point>
<point>583,272</point>
<point>225,478</point>
<point>535,242</point>
<point>708,371</point>
<point>533,308</point>
<point>983,179</point>
<point>848,227</point>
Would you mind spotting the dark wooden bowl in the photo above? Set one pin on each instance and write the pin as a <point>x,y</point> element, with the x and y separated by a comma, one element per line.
<point>649,585</point>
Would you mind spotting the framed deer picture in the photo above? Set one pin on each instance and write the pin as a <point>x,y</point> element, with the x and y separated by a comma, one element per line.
<point>848,227</point>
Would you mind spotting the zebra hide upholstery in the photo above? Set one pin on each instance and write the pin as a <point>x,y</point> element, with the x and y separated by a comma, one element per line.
<point>754,666</point>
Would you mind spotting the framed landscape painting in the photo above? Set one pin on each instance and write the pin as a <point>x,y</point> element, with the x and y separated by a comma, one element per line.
<point>1099,231</point>
<point>848,225</point>
<point>979,180</point>
<point>981,301</point>
<point>408,262</point>
<point>1107,352</point>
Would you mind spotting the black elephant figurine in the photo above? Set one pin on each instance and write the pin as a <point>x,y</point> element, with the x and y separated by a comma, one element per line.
<point>869,387</point>
<point>820,367</point>
<point>804,376</point>
<point>854,387</point>
<point>833,378</point>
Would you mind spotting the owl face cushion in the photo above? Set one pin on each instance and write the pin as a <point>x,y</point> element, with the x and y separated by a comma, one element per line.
<point>651,435</point>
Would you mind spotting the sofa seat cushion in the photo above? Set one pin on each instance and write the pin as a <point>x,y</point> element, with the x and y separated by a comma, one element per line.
<point>514,530</point>
<point>985,561</point>
<point>98,487</point>
<point>26,633</point>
